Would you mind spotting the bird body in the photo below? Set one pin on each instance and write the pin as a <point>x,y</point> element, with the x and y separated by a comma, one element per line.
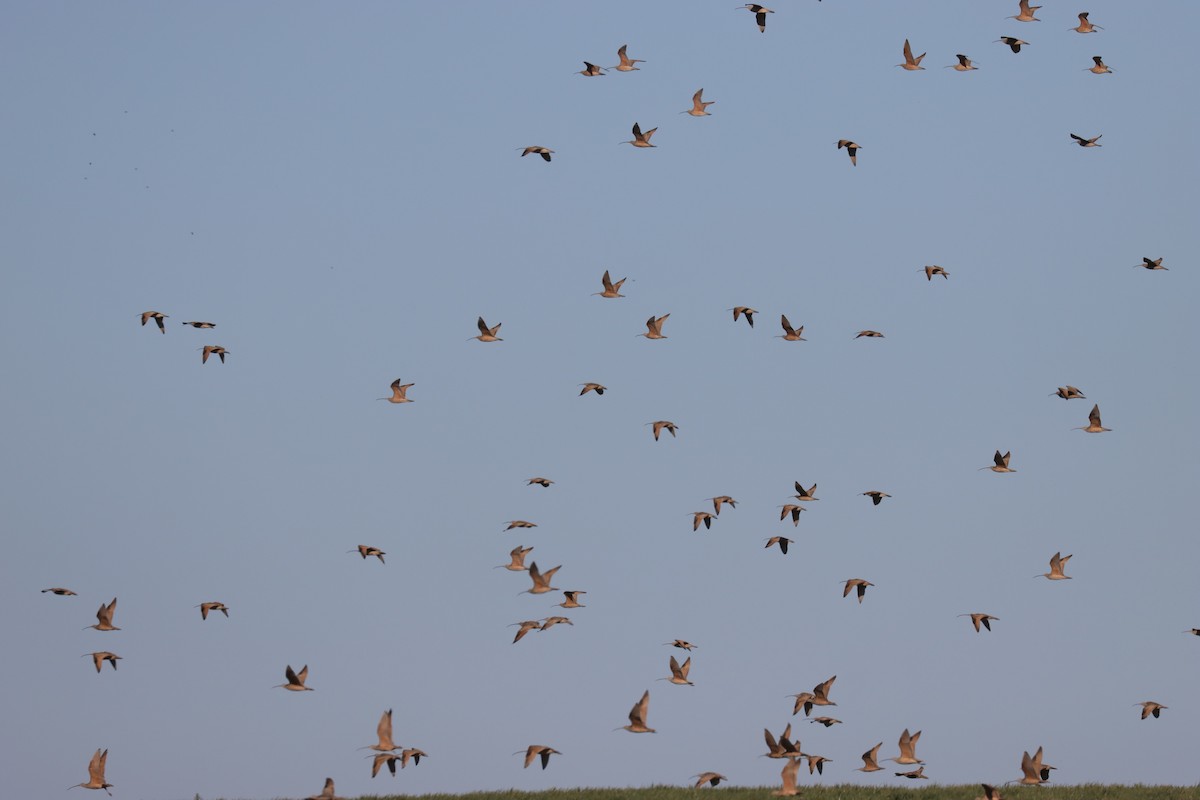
<point>1069,393</point>
<point>158,318</point>
<point>591,70</point>
<point>487,334</point>
<point>1093,425</point>
<point>911,64</point>
<point>1082,142</point>
<point>212,606</point>
<point>627,63</point>
<point>60,591</point>
<point>96,778</point>
<point>517,554</point>
<point>213,350</point>
<point>295,680</point>
<point>871,760</point>
<point>851,150</point>
<point>760,15</point>
<point>204,325</point>
<point>104,617</point>
<point>637,716</point>
<point>399,392</point>
<point>699,107</point>
<point>662,424</point>
<point>1150,264</point>
<point>544,152</point>
<point>641,139</point>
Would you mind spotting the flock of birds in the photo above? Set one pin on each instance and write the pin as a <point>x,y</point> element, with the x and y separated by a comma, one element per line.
<point>1034,771</point>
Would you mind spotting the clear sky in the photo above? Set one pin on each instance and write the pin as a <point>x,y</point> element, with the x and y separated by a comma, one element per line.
<point>338,187</point>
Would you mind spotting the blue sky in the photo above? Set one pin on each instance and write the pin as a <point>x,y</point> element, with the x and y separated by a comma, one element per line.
<point>339,189</point>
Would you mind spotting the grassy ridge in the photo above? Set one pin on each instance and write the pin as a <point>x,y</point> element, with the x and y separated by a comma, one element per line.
<point>838,792</point>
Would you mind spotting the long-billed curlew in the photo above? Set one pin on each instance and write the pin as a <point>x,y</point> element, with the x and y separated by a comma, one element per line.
<point>679,672</point>
<point>934,269</point>
<point>711,778</point>
<point>782,541</point>
<point>869,335</point>
<point>544,152</point>
<point>637,716</point>
<point>821,694</point>
<point>828,722</point>
<point>964,64</point>
<point>384,731</point>
<point>980,619</point>
<point>212,606</point>
<point>203,325</point>
<point>1013,43</point>
<point>744,311</point>
<point>487,334</point>
<point>1193,631</point>
<point>366,551</point>
<point>870,760</point>
<point>859,585</point>
<point>1093,425</point>
<point>104,617</point>
<point>1001,464</point>
<point>100,657</point>
<point>851,150</point>
<point>1068,393</point>
<point>520,523</point>
<point>541,582</point>
<point>213,350</point>
<point>1033,771</point>
<point>627,63</point>
<point>911,63</point>
<point>790,334</point>
<point>384,758</point>
<point>682,644</point>
<point>1082,142</point>
<point>60,591</point>
<point>517,554</point>
<point>788,777</point>
<point>659,425</point>
<point>1150,263</point>
<point>327,793</point>
<point>610,289</point>
<point>1099,67</point>
<point>784,747</point>
<point>794,510</point>
<point>805,495</point>
<point>720,500</point>
<point>1026,13</point>
<point>1058,563</point>
<point>1149,708</point>
<point>598,388</point>
<point>525,627</point>
<point>590,70</point>
<point>760,14</point>
<point>1085,25</point>
<point>699,517</point>
<point>96,773</point>
<point>803,700</point>
<point>640,139</point>
<point>816,763</point>
<point>908,748</point>
<point>158,317</point>
<point>699,105</point>
<point>876,496</point>
<point>399,392</point>
<point>572,599</point>
<point>654,327</point>
<point>295,680</point>
<point>543,482</point>
<point>415,753</point>
<point>538,751</point>
<point>550,622</point>
<point>919,772</point>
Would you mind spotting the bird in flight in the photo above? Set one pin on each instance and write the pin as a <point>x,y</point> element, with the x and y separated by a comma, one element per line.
<point>1082,142</point>
<point>851,150</point>
<point>760,15</point>
<point>640,139</point>
<point>1013,43</point>
<point>698,108</point>
<point>96,772</point>
<point>158,317</point>
<point>627,63</point>
<point>911,63</point>
<point>544,152</point>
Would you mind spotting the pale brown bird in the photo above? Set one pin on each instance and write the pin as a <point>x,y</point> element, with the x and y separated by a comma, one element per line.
<point>544,152</point>
<point>851,150</point>
<point>1013,43</point>
<point>911,63</point>
<point>760,15</point>
<point>821,694</point>
<point>816,763</point>
<point>627,63</point>
<point>60,591</point>
<point>592,387</point>
<point>828,722</point>
<point>803,700</point>
<point>989,793</point>
<point>295,680</point>
<point>964,64</point>
<point>871,760</point>
<point>415,753</point>
<point>637,716</point>
<point>744,311</point>
<point>654,327</point>
<point>100,657</point>
<point>1082,142</point>
<point>805,495</point>
<point>384,731</point>
<point>1001,464</point>
<point>794,510</point>
<point>699,106</point>
<point>908,748</point>
<point>517,554</point>
<point>610,289</point>
<point>104,617</point>
<point>1093,425</point>
<point>1149,264</point>
<point>526,626</point>
<point>701,517</point>
<point>327,793</point>
<point>679,672</point>
<point>919,772</point>
<point>366,551</point>
<point>859,585</point>
<point>1058,563</point>
<point>399,392</point>
<point>541,582</point>
<point>641,139</point>
<point>590,70</point>
<point>784,747</point>
<point>660,425</point>
<point>1069,393</point>
<point>711,778</point>
<point>869,335</point>
<point>934,269</point>
<point>96,773</point>
<point>1085,26</point>
<point>788,777</point>
<point>876,496</point>
<point>538,751</point>
<point>487,334</point>
<point>543,482</point>
<point>572,600</point>
<point>384,758</point>
<point>782,541</point>
<point>1149,708</point>
<point>1033,771</point>
<point>721,499</point>
<point>1026,13</point>
<point>213,606</point>
<point>550,622</point>
<point>203,325</point>
<point>213,350</point>
<point>158,317</point>
<point>1099,68</point>
<point>980,619</point>
<point>790,334</point>
<point>519,523</point>
<point>682,644</point>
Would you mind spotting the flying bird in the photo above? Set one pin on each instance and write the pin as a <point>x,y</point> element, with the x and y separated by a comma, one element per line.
<point>876,497</point>
<point>158,317</point>
<point>640,139</point>
<point>679,672</point>
<point>869,335</point>
<point>541,582</point>
<point>384,733</point>
<point>711,778</point>
<point>550,622</point>
<point>610,289</point>
<point>1149,708</point>
<point>399,392</point>
<point>517,564</point>
<point>790,334</point>
<point>1085,26</point>
<point>539,750</point>
<point>934,269</point>
<point>572,598</point>
<point>1149,264</point>
<point>743,310</point>
<point>295,680</point>
<point>1099,67</point>
<point>1058,563</point>
<point>104,617</point>
<point>660,425</point>
<point>782,541</point>
<point>701,517</point>
<point>544,152</point>
<point>592,387</point>
<point>627,63</point>
<point>213,606</point>
<point>526,626</point>
<point>682,644</point>
<point>794,510</point>
<point>964,64</point>
<point>871,760</point>
<point>788,777</point>
<point>543,482</point>
<point>919,772</point>
<point>859,585</point>
<point>1093,425</point>
<point>851,150</point>
<point>366,551</point>
<point>201,324</point>
<point>654,327</point>
<point>96,773</point>
<point>213,350</point>
<point>1026,13</point>
<point>805,495</point>
<point>100,657</point>
<point>720,500</point>
<point>60,591</point>
<point>520,523</point>
<point>1082,142</point>
<point>487,334</point>
<point>980,619</point>
<point>1013,43</point>
<point>637,716</point>
<point>1068,393</point>
<point>911,63</point>
<point>760,15</point>
<point>590,70</point>
<point>1001,464</point>
<point>908,749</point>
<point>699,107</point>
<point>327,793</point>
